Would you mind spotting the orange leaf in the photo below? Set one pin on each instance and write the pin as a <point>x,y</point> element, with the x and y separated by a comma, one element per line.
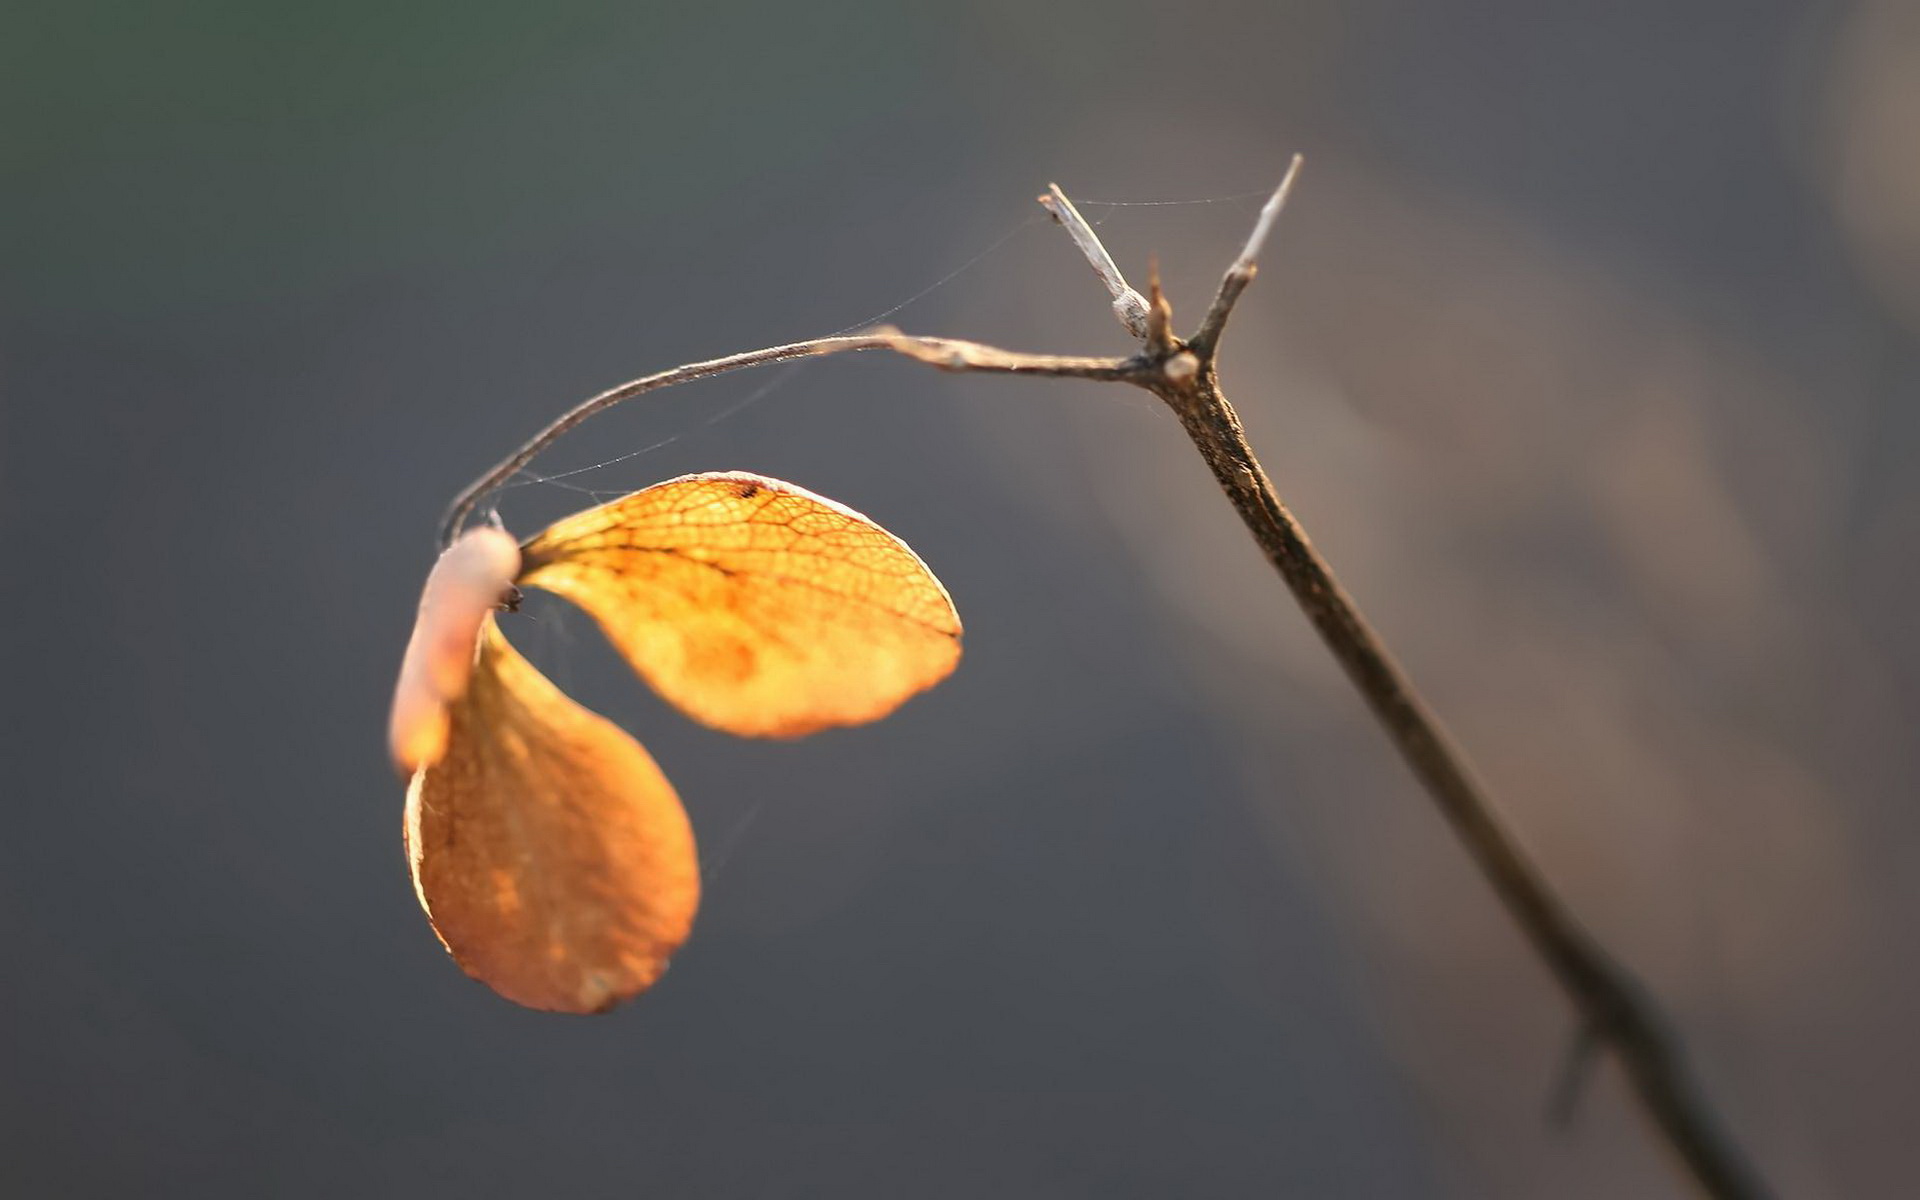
<point>753,605</point>
<point>550,853</point>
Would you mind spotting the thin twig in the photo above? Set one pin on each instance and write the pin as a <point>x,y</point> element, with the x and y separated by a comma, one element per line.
<point>1582,1049</point>
<point>1207,338</point>
<point>1613,1007</point>
<point>1128,305</point>
<point>950,354</point>
<point>946,353</point>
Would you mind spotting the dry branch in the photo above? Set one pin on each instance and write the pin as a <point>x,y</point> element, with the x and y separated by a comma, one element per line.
<point>1614,1010</point>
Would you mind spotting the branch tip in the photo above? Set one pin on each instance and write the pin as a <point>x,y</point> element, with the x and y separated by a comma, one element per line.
<point>1128,305</point>
<point>1269,213</point>
<point>1206,339</point>
<point>1159,332</point>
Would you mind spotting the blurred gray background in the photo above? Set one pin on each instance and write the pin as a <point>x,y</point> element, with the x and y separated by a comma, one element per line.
<point>1587,351</point>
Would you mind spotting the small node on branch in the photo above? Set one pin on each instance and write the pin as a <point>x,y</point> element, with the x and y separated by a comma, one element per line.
<point>1159,333</point>
<point>1182,367</point>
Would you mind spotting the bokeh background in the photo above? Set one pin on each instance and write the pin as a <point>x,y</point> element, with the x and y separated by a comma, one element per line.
<point>1587,351</point>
